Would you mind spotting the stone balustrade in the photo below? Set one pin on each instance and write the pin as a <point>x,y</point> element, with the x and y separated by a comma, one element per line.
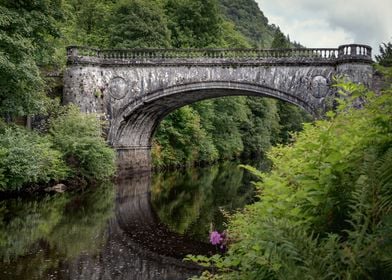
<point>344,52</point>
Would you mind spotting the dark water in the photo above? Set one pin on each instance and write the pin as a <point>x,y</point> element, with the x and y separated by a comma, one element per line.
<point>141,227</point>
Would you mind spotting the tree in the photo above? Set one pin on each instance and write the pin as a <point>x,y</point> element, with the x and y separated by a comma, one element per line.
<point>385,57</point>
<point>26,28</point>
<point>194,23</point>
<point>261,128</point>
<point>280,41</point>
<point>87,22</point>
<point>137,23</point>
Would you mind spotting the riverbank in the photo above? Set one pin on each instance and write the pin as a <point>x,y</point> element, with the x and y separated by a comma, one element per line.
<point>71,150</point>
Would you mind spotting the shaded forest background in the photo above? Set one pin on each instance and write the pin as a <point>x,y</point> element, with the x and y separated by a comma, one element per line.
<point>36,34</point>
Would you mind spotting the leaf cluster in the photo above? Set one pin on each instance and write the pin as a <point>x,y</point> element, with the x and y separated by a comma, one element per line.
<point>73,147</point>
<point>325,208</point>
<point>79,138</point>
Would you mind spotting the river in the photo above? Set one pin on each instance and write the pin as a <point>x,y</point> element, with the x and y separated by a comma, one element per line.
<point>139,227</point>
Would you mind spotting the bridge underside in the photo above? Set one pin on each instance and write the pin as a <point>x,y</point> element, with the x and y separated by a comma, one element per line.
<point>140,121</point>
<point>134,137</point>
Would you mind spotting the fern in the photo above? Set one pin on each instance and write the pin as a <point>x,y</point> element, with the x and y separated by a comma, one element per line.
<point>325,208</point>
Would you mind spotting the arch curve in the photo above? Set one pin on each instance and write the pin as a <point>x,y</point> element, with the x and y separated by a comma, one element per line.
<point>140,118</point>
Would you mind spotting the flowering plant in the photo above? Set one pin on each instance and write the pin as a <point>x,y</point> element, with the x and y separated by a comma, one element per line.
<point>217,238</point>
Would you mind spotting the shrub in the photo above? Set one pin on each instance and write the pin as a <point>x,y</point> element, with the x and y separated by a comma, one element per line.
<point>325,209</point>
<point>78,137</point>
<point>27,157</point>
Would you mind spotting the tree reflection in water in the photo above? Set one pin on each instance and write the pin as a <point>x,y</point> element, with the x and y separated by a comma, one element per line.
<point>121,232</point>
<point>37,234</point>
<point>93,235</point>
<point>191,201</point>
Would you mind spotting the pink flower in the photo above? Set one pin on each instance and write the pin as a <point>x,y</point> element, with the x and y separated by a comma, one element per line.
<point>215,238</point>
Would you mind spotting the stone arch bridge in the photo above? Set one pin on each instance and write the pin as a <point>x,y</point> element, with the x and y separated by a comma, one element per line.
<point>135,89</point>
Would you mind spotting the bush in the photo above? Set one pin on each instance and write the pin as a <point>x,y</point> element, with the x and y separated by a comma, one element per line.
<point>26,157</point>
<point>78,137</point>
<point>325,208</point>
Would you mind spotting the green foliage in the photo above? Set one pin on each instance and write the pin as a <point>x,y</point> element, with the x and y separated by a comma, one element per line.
<point>233,38</point>
<point>137,23</point>
<point>249,21</point>
<point>74,147</point>
<point>385,56</point>
<point>78,137</point>
<point>231,127</point>
<point>26,29</point>
<point>38,234</point>
<point>280,41</point>
<point>209,131</point>
<point>229,113</point>
<point>194,23</point>
<point>191,200</point>
<point>86,22</point>
<point>325,208</point>
<point>183,140</point>
<point>291,119</point>
<point>26,157</point>
<point>261,128</point>
<point>83,222</point>
<point>31,221</point>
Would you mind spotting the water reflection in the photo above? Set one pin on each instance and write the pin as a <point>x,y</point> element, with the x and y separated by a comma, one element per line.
<point>92,236</point>
<point>130,230</point>
<point>192,201</point>
<point>37,234</point>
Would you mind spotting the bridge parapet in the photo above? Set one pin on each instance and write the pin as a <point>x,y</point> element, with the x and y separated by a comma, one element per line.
<point>353,52</point>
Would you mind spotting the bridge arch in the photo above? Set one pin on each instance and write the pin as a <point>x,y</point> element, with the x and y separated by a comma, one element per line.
<point>141,117</point>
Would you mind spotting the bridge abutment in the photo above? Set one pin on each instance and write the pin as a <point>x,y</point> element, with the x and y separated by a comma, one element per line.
<point>133,159</point>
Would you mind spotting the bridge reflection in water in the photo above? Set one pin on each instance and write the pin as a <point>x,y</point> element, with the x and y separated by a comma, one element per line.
<point>138,246</point>
<point>93,236</point>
